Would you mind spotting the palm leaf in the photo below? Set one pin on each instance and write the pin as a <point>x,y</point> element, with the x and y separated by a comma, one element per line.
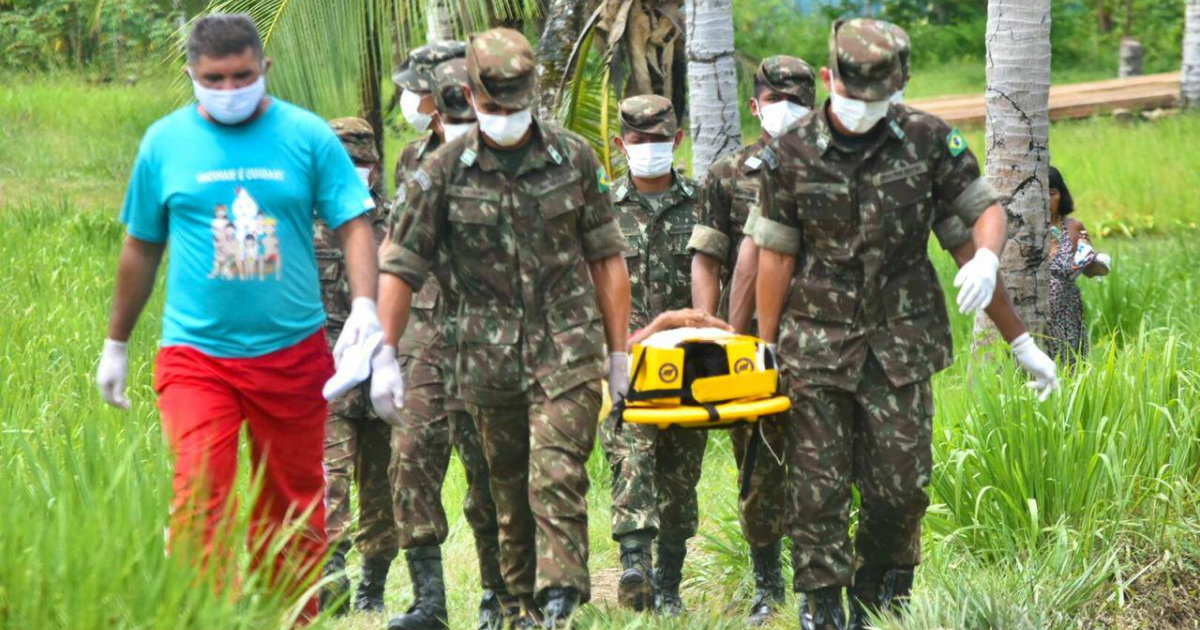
<point>589,100</point>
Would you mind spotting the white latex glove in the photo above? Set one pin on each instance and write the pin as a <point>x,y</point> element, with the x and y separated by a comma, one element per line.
<point>387,385</point>
<point>1104,259</point>
<point>1040,366</point>
<point>618,376</point>
<point>362,323</point>
<point>113,372</point>
<point>976,281</point>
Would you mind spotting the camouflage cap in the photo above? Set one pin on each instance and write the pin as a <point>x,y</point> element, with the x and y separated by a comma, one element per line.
<point>416,74</point>
<point>648,113</point>
<point>450,82</point>
<point>863,55</point>
<point>903,47</point>
<point>500,64</point>
<point>788,75</point>
<point>358,137</point>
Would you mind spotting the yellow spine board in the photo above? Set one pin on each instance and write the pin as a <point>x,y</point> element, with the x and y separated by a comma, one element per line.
<point>698,417</point>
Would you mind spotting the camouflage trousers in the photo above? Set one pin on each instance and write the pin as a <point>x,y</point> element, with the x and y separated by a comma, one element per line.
<point>876,437</point>
<point>654,477</point>
<point>357,446</point>
<point>538,454</point>
<point>420,456</point>
<point>762,509</point>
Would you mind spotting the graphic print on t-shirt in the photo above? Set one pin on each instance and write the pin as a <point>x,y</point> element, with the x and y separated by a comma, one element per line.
<point>245,246</point>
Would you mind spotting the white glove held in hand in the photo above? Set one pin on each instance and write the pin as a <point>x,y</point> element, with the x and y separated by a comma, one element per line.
<point>976,281</point>
<point>1104,259</point>
<point>387,385</point>
<point>360,326</point>
<point>112,373</point>
<point>618,376</point>
<point>1040,366</point>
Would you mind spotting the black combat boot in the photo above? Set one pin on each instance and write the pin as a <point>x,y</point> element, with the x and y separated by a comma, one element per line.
<point>368,598</point>
<point>428,610</point>
<point>668,573</point>
<point>822,609</point>
<point>876,589</point>
<point>561,603</point>
<point>497,609</point>
<point>635,590</point>
<point>335,595</point>
<point>526,616</point>
<point>768,583</point>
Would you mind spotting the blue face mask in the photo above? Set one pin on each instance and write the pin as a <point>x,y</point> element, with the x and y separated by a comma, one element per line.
<point>231,107</point>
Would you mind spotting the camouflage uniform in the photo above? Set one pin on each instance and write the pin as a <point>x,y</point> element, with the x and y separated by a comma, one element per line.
<point>654,473</point>
<point>865,325</point>
<point>729,194</point>
<point>356,440</point>
<point>435,419</point>
<point>527,324</point>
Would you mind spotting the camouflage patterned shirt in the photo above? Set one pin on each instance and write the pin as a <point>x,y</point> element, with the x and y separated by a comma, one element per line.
<point>728,194</point>
<point>517,248</point>
<point>423,339</point>
<point>858,220</point>
<point>657,230</point>
<point>331,266</point>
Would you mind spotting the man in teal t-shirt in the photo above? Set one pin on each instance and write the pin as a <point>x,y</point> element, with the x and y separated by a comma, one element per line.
<point>232,183</point>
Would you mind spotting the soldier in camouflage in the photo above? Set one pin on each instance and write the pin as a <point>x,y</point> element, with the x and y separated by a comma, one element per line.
<point>848,200</point>
<point>723,273</point>
<point>518,211</point>
<point>435,420</point>
<point>654,473</point>
<point>356,440</point>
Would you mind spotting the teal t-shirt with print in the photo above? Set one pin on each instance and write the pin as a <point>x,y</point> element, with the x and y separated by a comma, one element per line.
<point>235,205</point>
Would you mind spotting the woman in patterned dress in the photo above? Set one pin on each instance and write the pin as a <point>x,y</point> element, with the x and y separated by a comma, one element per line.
<point>1071,255</point>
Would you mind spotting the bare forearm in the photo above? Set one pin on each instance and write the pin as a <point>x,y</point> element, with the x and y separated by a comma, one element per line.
<point>135,282</point>
<point>612,292</point>
<point>362,262</point>
<point>706,283</point>
<point>1001,310</point>
<point>774,275</point>
<point>395,303</point>
<point>741,289</point>
<point>991,230</point>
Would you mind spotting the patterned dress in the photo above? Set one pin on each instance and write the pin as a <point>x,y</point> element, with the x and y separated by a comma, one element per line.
<point>1068,333</point>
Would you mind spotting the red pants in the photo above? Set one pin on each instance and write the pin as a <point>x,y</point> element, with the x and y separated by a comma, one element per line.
<point>204,402</point>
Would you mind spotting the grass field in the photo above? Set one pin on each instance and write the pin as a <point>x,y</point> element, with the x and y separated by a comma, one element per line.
<point>1077,513</point>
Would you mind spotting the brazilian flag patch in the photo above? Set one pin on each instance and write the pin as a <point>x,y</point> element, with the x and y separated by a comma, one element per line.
<point>602,180</point>
<point>956,142</point>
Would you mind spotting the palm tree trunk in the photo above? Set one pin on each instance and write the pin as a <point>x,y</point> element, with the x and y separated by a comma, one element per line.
<point>564,21</point>
<point>439,21</point>
<point>712,82</point>
<point>370,84</point>
<point>1018,157</point>
<point>1190,75</point>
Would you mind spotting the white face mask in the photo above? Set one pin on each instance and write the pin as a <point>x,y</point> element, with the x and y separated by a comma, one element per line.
<point>505,130</point>
<point>650,159</point>
<point>455,131</point>
<point>364,174</point>
<point>231,107</point>
<point>855,115</point>
<point>898,97</point>
<point>777,117</point>
<point>410,103</point>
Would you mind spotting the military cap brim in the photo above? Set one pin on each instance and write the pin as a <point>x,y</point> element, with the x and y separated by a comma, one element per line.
<point>649,114</point>
<point>500,64</point>
<point>789,75</point>
<point>358,137</point>
<point>449,80</point>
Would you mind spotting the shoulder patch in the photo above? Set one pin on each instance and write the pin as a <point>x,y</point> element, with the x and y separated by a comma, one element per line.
<point>423,179</point>
<point>685,186</point>
<point>896,129</point>
<point>956,142</point>
<point>468,157</point>
<point>753,162</point>
<point>602,180</point>
<point>554,154</point>
<point>621,193</point>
